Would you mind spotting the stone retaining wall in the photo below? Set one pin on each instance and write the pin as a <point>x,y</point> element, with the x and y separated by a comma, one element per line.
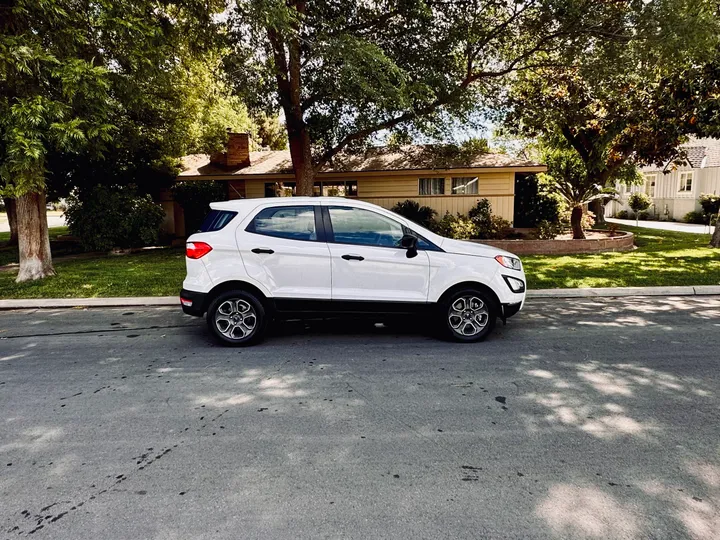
<point>622,242</point>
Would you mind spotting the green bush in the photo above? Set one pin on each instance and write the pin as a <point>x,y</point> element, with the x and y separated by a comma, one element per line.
<point>422,215</point>
<point>487,225</point>
<point>547,230</point>
<point>639,201</point>
<point>113,217</point>
<point>643,216</point>
<point>195,197</point>
<point>533,203</point>
<point>456,226</point>
<point>696,217</point>
<point>623,214</point>
<point>710,204</point>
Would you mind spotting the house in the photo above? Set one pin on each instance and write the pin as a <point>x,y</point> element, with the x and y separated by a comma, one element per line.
<point>675,190</point>
<point>439,176</point>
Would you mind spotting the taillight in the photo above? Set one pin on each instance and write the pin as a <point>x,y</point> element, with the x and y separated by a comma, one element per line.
<point>195,250</point>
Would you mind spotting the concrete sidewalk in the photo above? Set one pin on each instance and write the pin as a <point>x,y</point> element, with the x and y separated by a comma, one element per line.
<point>664,225</point>
<point>155,301</point>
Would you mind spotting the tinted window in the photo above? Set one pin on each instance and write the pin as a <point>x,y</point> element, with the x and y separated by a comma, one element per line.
<point>216,220</point>
<point>293,222</point>
<point>363,227</point>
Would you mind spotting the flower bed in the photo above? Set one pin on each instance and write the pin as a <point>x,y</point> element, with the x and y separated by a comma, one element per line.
<point>622,241</point>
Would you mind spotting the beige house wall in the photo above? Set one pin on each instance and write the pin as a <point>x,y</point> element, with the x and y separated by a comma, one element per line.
<point>388,190</point>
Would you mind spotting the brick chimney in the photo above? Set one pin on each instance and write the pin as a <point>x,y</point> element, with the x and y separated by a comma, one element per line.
<point>237,154</point>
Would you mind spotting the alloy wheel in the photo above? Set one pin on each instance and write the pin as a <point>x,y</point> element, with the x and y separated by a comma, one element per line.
<point>235,319</point>
<point>468,316</point>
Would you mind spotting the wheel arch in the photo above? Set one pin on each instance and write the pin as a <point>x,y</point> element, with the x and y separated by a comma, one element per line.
<point>237,285</point>
<point>472,285</point>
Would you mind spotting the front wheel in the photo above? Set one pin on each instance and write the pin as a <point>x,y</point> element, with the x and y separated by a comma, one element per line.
<point>236,318</point>
<point>468,316</point>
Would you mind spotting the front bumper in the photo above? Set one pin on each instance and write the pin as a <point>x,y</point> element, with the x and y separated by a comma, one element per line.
<point>511,309</point>
<point>193,303</point>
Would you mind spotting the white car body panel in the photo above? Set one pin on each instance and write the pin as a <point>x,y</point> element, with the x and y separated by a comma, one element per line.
<point>315,270</point>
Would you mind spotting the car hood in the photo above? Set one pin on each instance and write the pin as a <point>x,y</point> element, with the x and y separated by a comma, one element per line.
<point>466,247</point>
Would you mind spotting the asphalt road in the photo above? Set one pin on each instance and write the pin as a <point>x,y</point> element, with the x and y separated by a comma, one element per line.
<point>594,418</point>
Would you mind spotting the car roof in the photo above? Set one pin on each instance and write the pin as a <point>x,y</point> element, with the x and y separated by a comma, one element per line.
<point>247,204</point>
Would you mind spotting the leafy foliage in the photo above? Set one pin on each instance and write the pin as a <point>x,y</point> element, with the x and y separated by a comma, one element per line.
<point>195,198</point>
<point>623,214</point>
<point>548,230</point>
<point>699,218</point>
<point>114,217</point>
<point>422,215</point>
<point>534,202</point>
<point>639,201</point>
<point>456,226</point>
<point>710,204</point>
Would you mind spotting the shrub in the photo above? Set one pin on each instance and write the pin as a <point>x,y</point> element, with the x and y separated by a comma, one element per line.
<point>533,203</point>
<point>696,217</point>
<point>587,221</point>
<point>105,217</point>
<point>613,229</point>
<point>547,230</point>
<point>710,204</point>
<point>643,216</point>
<point>639,201</point>
<point>422,215</point>
<point>623,214</point>
<point>195,197</point>
<point>459,227</point>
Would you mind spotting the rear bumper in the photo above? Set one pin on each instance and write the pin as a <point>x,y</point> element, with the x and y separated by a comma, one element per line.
<point>193,303</point>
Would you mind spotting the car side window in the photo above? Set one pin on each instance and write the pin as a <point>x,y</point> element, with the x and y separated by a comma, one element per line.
<point>291,222</point>
<point>363,227</point>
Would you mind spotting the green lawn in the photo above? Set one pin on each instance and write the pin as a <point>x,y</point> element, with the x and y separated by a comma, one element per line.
<point>662,258</point>
<point>157,272</point>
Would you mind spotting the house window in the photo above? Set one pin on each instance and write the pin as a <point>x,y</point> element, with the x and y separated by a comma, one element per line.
<point>339,188</point>
<point>431,186</point>
<point>686,179</point>
<point>279,189</point>
<point>650,180</point>
<point>331,188</point>
<point>466,185</point>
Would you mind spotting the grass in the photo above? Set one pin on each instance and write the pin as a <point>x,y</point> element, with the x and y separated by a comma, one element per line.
<point>156,272</point>
<point>662,258</point>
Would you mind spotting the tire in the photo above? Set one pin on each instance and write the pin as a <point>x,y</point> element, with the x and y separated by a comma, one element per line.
<point>237,319</point>
<point>468,315</point>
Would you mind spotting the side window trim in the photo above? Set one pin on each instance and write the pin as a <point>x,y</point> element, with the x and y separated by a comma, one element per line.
<point>319,231</point>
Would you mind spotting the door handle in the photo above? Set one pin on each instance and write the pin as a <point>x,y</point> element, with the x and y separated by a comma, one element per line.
<point>262,250</point>
<point>353,258</point>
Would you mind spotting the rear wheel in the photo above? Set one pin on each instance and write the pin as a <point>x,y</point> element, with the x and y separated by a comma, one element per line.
<point>237,318</point>
<point>468,315</point>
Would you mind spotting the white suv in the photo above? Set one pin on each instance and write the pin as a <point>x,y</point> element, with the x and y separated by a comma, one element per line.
<point>259,259</point>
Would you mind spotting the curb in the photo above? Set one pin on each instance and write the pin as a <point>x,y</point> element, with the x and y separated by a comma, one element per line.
<point>157,301</point>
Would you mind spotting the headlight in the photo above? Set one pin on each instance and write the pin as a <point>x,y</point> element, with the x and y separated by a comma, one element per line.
<point>509,262</point>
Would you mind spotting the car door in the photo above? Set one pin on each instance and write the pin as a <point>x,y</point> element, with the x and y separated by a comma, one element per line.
<point>284,248</point>
<point>367,260</point>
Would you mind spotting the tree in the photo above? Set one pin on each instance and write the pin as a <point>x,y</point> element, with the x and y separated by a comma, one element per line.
<point>611,104</point>
<point>639,202</point>
<point>71,84</point>
<point>567,176</point>
<point>343,70</point>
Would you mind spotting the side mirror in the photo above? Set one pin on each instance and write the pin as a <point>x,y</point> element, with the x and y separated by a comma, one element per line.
<point>409,242</point>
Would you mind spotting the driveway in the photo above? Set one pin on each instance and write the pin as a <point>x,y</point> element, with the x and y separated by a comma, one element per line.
<point>595,418</point>
<point>665,225</point>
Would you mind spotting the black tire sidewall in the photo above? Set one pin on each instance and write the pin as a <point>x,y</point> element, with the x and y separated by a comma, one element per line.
<point>448,330</point>
<point>253,338</point>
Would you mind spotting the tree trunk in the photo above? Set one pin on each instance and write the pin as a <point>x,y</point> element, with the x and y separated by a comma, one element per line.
<point>33,240</point>
<point>599,210</point>
<point>576,222</point>
<point>301,154</point>
<point>715,240</point>
<point>10,208</point>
